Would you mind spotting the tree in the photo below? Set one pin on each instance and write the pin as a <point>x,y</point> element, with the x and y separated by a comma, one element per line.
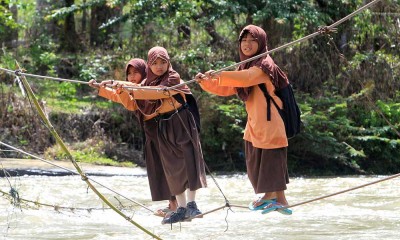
<point>8,23</point>
<point>69,39</point>
<point>101,14</point>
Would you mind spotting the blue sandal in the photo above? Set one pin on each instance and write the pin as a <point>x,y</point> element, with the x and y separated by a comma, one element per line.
<point>264,203</point>
<point>285,211</point>
<point>277,207</point>
<point>271,207</point>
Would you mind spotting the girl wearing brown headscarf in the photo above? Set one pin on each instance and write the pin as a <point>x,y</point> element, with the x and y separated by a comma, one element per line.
<point>135,72</point>
<point>265,141</point>
<point>176,132</point>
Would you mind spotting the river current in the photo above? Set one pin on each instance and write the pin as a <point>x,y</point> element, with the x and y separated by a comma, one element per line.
<point>371,212</point>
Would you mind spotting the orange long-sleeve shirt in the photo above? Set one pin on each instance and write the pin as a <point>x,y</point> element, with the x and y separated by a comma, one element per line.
<point>128,100</point>
<point>260,132</point>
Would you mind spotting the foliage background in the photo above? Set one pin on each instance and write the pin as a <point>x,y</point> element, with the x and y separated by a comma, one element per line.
<point>347,83</point>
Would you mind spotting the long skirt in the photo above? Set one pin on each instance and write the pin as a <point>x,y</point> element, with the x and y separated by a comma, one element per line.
<point>266,168</point>
<point>180,151</point>
<point>157,180</point>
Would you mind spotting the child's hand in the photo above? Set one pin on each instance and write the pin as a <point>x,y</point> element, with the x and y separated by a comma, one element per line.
<point>107,82</point>
<point>200,77</point>
<point>211,74</point>
<point>94,84</point>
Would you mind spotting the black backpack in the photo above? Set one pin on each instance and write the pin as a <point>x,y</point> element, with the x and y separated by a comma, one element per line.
<point>290,112</point>
<point>191,104</point>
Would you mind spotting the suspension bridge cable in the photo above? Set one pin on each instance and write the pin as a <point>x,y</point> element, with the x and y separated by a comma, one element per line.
<point>52,205</point>
<point>333,194</point>
<point>344,191</point>
<point>321,30</point>
<point>69,155</point>
<point>74,172</point>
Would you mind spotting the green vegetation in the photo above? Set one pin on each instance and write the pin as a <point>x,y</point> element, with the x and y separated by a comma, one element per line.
<point>89,151</point>
<point>347,83</point>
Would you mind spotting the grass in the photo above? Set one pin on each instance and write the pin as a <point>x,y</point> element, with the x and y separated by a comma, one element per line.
<point>76,105</point>
<point>89,151</point>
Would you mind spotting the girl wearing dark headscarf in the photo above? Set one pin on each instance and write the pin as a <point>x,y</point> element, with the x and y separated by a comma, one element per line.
<point>177,136</point>
<point>135,71</point>
<point>265,140</point>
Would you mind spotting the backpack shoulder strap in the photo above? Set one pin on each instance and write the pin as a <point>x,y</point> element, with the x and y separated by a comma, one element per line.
<point>269,99</point>
<point>191,104</point>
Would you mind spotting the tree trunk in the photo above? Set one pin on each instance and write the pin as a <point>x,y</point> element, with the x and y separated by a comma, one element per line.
<point>100,14</point>
<point>184,33</point>
<point>84,20</point>
<point>69,40</point>
<point>42,28</point>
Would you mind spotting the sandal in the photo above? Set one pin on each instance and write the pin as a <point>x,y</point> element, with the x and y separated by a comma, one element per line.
<point>276,207</point>
<point>264,203</point>
<point>271,207</point>
<point>285,211</point>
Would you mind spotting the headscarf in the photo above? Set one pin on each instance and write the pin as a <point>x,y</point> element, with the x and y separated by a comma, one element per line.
<point>168,79</point>
<point>267,65</point>
<point>139,65</point>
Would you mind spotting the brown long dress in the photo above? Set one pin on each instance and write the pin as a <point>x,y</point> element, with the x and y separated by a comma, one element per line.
<point>177,134</point>
<point>181,156</point>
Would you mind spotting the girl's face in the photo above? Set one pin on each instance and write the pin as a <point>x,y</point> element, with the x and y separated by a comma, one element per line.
<point>249,45</point>
<point>159,66</point>
<point>134,75</point>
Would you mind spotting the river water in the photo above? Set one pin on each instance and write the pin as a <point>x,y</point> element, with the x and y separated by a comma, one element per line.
<point>372,212</point>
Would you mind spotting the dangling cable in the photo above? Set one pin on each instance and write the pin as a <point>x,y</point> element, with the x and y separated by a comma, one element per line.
<point>65,149</point>
<point>73,172</point>
<point>194,143</point>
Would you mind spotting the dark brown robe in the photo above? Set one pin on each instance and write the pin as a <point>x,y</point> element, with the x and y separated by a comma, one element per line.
<point>177,134</point>
<point>266,168</point>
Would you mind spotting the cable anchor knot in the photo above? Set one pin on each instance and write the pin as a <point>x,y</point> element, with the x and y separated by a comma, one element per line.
<point>84,178</point>
<point>325,30</point>
<point>18,72</point>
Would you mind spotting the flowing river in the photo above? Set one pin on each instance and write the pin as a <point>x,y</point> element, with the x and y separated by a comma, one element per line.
<point>371,212</point>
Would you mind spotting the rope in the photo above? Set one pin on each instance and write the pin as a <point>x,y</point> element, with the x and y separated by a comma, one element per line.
<point>74,172</point>
<point>65,149</point>
<point>321,30</point>
<point>89,209</point>
<point>333,194</point>
<point>344,191</point>
<point>205,213</point>
<point>19,72</point>
<point>7,70</point>
<point>50,205</point>
<point>194,143</point>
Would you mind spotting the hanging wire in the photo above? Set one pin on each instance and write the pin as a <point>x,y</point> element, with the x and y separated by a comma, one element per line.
<point>75,173</point>
<point>332,194</point>
<point>12,194</point>
<point>321,30</point>
<point>84,177</point>
<point>194,143</point>
<point>344,191</point>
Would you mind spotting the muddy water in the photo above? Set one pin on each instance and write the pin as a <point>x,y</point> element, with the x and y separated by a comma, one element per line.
<point>372,212</point>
